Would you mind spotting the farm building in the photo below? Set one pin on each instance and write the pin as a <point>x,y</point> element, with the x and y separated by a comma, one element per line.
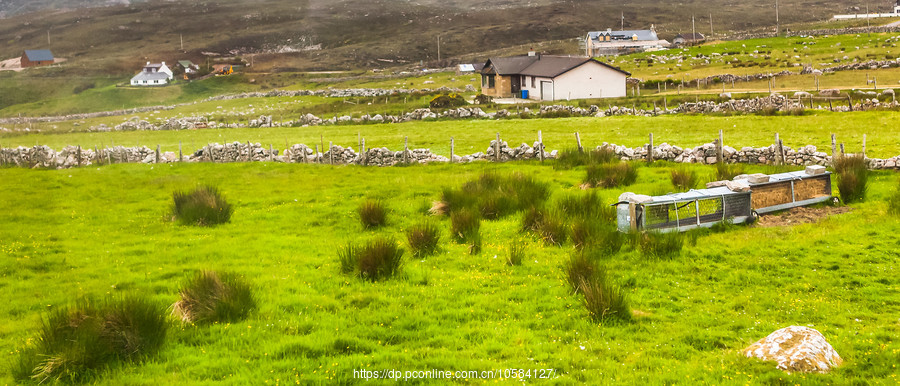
<point>153,74</point>
<point>611,42</point>
<point>549,78</point>
<point>34,58</point>
<point>188,67</point>
<point>688,39</point>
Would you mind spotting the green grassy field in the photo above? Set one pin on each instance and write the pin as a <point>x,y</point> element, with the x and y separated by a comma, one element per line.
<point>105,231</point>
<point>474,135</point>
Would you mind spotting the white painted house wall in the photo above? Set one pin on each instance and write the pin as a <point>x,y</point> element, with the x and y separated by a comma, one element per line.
<point>589,80</point>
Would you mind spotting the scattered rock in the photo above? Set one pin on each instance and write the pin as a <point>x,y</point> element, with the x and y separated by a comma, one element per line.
<point>796,349</point>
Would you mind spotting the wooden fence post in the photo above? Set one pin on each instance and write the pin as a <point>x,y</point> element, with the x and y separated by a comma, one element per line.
<point>249,152</point>
<point>650,149</point>
<point>578,141</point>
<point>833,147</point>
<point>78,152</point>
<point>720,149</point>
<point>406,149</point>
<point>331,152</point>
<point>97,157</point>
<point>864,146</point>
<point>781,149</point>
<point>157,153</point>
<point>842,150</point>
<point>541,145</point>
<point>850,101</point>
<point>777,152</point>
<point>497,149</point>
<point>318,159</point>
<point>451,150</point>
<point>271,153</point>
<point>180,154</point>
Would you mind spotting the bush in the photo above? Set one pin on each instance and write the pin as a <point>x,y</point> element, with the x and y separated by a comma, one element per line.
<point>661,245</point>
<point>495,196</point>
<point>423,239</point>
<point>587,205</point>
<point>372,213</point>
<point>516,253</point>
<point>447,101</point>
<point>553,229</point>
<point>579,268</point>
<point>203,206</point>
<point>610,175</point>
<point>77,342</point>
<point>684,179</point>
<point>728,171</point>
<point>594,235</point>
<point>894,202</point>
<point>852,177</point>
<point>211,297</point>
<point>378,259</point>
<point>482,99</point>
<point>604,301</point>
<point>531,221</point>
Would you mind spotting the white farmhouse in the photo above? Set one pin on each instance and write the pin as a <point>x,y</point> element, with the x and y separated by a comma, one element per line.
<point>153,74</point>
<point>550,78</point>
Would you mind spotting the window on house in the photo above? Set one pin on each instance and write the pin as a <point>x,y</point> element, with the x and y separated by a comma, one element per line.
<point>490,81</point>
<point>532,82</point>
<point>145,82</point>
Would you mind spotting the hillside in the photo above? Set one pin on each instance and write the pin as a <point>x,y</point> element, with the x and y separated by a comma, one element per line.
<point>326,35</point>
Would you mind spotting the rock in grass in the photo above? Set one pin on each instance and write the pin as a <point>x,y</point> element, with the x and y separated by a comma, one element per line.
<point>796,349</point>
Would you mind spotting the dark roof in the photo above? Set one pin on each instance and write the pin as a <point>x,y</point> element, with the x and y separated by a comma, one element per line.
<point>150,76</point>
<point>39,55</point>
<point>691,36</point>
<point>539,65</point>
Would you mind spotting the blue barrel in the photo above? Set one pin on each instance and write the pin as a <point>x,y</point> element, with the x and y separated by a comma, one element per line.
<point>524,94</point>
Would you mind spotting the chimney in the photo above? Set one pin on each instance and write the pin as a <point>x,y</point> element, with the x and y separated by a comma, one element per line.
<point>148,63</point>
<point>163,63</point>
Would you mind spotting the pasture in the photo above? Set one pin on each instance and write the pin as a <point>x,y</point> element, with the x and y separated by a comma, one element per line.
<point>107,231</point>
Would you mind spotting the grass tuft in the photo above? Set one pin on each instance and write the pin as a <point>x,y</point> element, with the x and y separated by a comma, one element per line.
<point>661,245</point>
<point>683,178</point>
<point>380,258</point>
<point>423,239</point>
<point>553,228</point>
<point>852,177</point>
<point>211,297</point>
<point>728,171</point>
<point>570,158</point>
<point>586,205</point>
<point>610,175</point>
<point>495,196</point>
<point>203,206</point>
<point>604,301</point>
<point>516,254</point>
<point>894,202</point>
<point>372,213</point>
<point>76,343</point>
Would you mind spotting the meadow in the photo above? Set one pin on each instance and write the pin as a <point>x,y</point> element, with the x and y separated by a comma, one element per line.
<point>107,231</point>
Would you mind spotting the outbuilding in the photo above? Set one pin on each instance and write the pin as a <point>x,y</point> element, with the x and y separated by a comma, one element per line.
<point>34,58</point>
<point>550,78</point>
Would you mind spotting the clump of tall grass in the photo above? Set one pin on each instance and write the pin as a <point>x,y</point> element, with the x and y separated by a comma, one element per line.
<point>211,297</point>
<point>894,202</point>
<point>553,228</point>
<point>465,225</point>
<point>372,213</point>
<point>203,206</point>
<point>516,254</point>
<point>661,245</point>
<point>852,177</point>
<point>423,239</point>
<point>605,301</point>
<point>569,158</point>
<point>683,178</point>
<point>588,205</point>
<point>596,235</point>
<point>610,175</point>
<point>77,342</point>
<point>494,196</point>
<point>726,171</point>
<point>378,259</point>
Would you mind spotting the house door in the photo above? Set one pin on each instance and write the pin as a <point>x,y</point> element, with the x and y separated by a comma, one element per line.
<point>516,82</point>
<point>547,91</point>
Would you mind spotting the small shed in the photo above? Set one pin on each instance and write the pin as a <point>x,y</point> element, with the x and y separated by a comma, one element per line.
<point>34,58</point>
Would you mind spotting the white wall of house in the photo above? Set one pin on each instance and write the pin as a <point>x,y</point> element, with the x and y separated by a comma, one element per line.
<point>588,81</point>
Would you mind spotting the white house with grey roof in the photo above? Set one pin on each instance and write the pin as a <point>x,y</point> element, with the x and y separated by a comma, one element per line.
<point>611,42</point>
<point>153,74</point>
<point>550,78</point>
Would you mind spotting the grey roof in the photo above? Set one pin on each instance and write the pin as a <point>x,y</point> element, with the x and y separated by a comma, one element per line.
<point>185,63</point>
<point>691,36</point>
<point>39,55</point>
<point>642,34</point>
<point>144,75</point>
<point>539,65</point>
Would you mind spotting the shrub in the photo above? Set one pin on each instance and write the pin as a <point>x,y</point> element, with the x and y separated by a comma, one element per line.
<point>532,219</point>
<point>447,101</point>
<point>683,178</point>
<point>594,235</point>
<point>661,245</point>
<point>579,268</point>
<point>482,99</point>
<point>852,177</point>
<point>372,213</point>
<point>610,175</point>
<point>465,225</point>
<point>210,297</point>
<point>202,206</point>
<point>495,196</point>
<point>378,259</point>
<point>516,253</point>
<point>604,301</point>
<point>728,171</point>
<point>894,202</point>
<point>423,239</point>
<point>76,342</point>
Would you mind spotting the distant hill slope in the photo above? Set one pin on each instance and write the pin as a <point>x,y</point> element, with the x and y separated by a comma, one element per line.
<point>342,34</point>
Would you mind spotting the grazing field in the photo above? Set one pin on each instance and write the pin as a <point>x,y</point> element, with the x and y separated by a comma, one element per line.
<point>107,231</point>
<point>474,135</point>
